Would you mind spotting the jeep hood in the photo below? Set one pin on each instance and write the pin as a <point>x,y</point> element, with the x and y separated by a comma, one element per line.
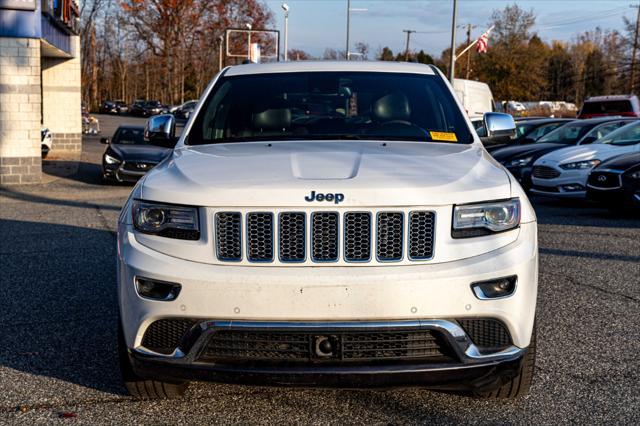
<point>368,173</point>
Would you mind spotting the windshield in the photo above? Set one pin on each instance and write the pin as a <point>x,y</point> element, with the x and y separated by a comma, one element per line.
<point>129,136</point>
<point>330,105</point>
<point>627,135</point>
<point>568,134</point>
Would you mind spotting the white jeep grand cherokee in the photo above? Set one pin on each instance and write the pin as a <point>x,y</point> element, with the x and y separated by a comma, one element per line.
<point>328,224</point>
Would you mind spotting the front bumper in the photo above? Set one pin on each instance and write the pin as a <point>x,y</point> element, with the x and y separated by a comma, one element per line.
<point>557,187</point>
<point>118,173</point>
<point>469,372</point>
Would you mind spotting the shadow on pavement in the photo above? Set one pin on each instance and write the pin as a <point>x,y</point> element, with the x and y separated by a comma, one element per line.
<point>62,316</point>
<point>34,198</point>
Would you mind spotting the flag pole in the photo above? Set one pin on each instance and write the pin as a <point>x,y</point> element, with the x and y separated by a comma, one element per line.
<point>473,44</point>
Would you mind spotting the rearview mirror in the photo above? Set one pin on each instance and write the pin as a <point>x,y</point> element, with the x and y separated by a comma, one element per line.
<point>104,140</point>
<point>160,130</point>
<point>500,127</point>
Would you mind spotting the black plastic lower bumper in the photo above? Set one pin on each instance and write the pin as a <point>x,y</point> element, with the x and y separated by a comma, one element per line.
<point>451,377</point>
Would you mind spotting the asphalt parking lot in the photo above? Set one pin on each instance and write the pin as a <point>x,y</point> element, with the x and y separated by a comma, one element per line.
<point>58,341</point>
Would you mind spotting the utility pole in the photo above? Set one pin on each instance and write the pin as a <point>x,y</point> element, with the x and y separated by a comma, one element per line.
<point>406,50</point>
<point>633,53</point>
<point>452,62</point>
<point>469,28</point>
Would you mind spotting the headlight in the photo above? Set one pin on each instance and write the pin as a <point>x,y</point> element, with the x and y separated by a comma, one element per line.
<point>580,165</point>
<point>473,220</point>
<point>166,220</point>
<point>635,175</point>
<point>111,160</point>
<point>521,162</point>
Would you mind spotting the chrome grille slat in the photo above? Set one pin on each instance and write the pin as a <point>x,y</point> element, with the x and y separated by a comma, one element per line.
<point>229,236</point>
<point>324,236</point>
<point>293,239</point>
<point>260,237</point>
<point>421,230</point>
<point>357,236</point>
<point>390,241</point>
<point>329,236</point>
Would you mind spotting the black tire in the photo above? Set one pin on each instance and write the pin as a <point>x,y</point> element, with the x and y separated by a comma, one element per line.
<point>140,387</point>
<point>518,386</point>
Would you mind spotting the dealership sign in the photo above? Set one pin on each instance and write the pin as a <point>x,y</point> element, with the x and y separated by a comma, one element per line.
<point>18,4</point>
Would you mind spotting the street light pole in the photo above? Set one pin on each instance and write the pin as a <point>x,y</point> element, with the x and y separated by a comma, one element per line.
<point>348,18</point>
<point>452,63</point>
<point>220,40</point>
<point>249,26</point>
<point>285,7</point>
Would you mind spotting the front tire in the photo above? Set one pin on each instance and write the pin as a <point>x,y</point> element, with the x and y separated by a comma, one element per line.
<point>518,386</point>
<point>140,387</point>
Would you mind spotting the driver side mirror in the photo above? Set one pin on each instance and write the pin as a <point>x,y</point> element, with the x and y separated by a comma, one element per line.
<point>500,127</point>
<point>104,141</point>
<point>160,131</point>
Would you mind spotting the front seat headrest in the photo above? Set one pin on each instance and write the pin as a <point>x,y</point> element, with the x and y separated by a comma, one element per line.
<point>272,119</point>
<point>394,106</point>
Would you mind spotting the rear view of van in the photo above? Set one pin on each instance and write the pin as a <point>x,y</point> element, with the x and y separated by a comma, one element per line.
<point>475,96</point>
<point>602,106</point>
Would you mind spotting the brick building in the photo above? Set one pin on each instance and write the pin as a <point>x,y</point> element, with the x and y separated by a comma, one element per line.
<point>39,85</point>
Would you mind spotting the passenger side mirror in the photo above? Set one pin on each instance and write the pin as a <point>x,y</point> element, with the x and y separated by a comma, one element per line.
<point>104,141</point>
<point>160,131</point>
<point>500,127</point>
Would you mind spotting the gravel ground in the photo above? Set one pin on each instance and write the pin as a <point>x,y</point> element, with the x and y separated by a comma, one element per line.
<point>57,348</point>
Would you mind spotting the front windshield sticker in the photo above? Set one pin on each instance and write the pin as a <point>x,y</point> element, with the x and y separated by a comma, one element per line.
<point>443,136</point>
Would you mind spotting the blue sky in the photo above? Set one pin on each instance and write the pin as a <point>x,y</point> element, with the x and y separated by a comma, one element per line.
<point>316,24</point>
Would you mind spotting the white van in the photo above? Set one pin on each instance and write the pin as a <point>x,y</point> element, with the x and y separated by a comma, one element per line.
<point>475,96</point>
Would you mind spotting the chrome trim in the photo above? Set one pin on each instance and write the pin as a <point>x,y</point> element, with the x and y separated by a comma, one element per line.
<point>402,235</point>
<point>304,234</point>
<point>273,236</point>
<point>313,258</point>
<point>344,237</point>
<point>467,352</point>
<point>433,241</point>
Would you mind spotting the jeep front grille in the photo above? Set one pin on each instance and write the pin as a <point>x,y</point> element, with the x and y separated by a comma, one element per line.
<point>328,236</point>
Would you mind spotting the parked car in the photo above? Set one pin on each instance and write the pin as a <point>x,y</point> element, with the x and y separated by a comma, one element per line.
<point>616,183</point>
<point>598,106</point>
<point>519,159</point>
<point>128,156</point>
<point>46,141</point>
<point>141,108</point>
<point>184,111</point>
<point>564,173</point>
<point>529,131</point>
<point>475,96</point>
<point>113,107</point>
<point>281,245</point>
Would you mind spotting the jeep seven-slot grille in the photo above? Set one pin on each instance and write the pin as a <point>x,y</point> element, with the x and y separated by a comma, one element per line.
<point>233,346</point>
<point>358,236</point>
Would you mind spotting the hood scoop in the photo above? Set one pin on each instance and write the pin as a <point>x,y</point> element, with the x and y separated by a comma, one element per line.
<point>326,165</point>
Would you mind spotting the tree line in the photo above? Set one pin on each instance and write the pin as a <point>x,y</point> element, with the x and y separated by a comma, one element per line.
<point>169,50</point>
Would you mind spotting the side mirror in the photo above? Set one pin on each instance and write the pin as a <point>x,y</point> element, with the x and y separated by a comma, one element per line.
<point>500,127</point>
<point>160,130</point>
<point>104,141</point>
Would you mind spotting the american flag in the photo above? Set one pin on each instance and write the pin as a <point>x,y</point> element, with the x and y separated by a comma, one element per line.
<point>483,42</point>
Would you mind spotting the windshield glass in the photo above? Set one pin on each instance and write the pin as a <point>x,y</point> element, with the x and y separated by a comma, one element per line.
<point>627,135</point>
<point>129,136</point>
<point>330,105</point>
<point>569,134</point>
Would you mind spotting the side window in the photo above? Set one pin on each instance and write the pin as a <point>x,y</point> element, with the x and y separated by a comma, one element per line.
<point>542,130</point>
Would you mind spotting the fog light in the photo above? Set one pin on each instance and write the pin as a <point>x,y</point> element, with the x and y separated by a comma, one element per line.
<point>573,187</point>
<point>157,290</point>
<point>494,289</point>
